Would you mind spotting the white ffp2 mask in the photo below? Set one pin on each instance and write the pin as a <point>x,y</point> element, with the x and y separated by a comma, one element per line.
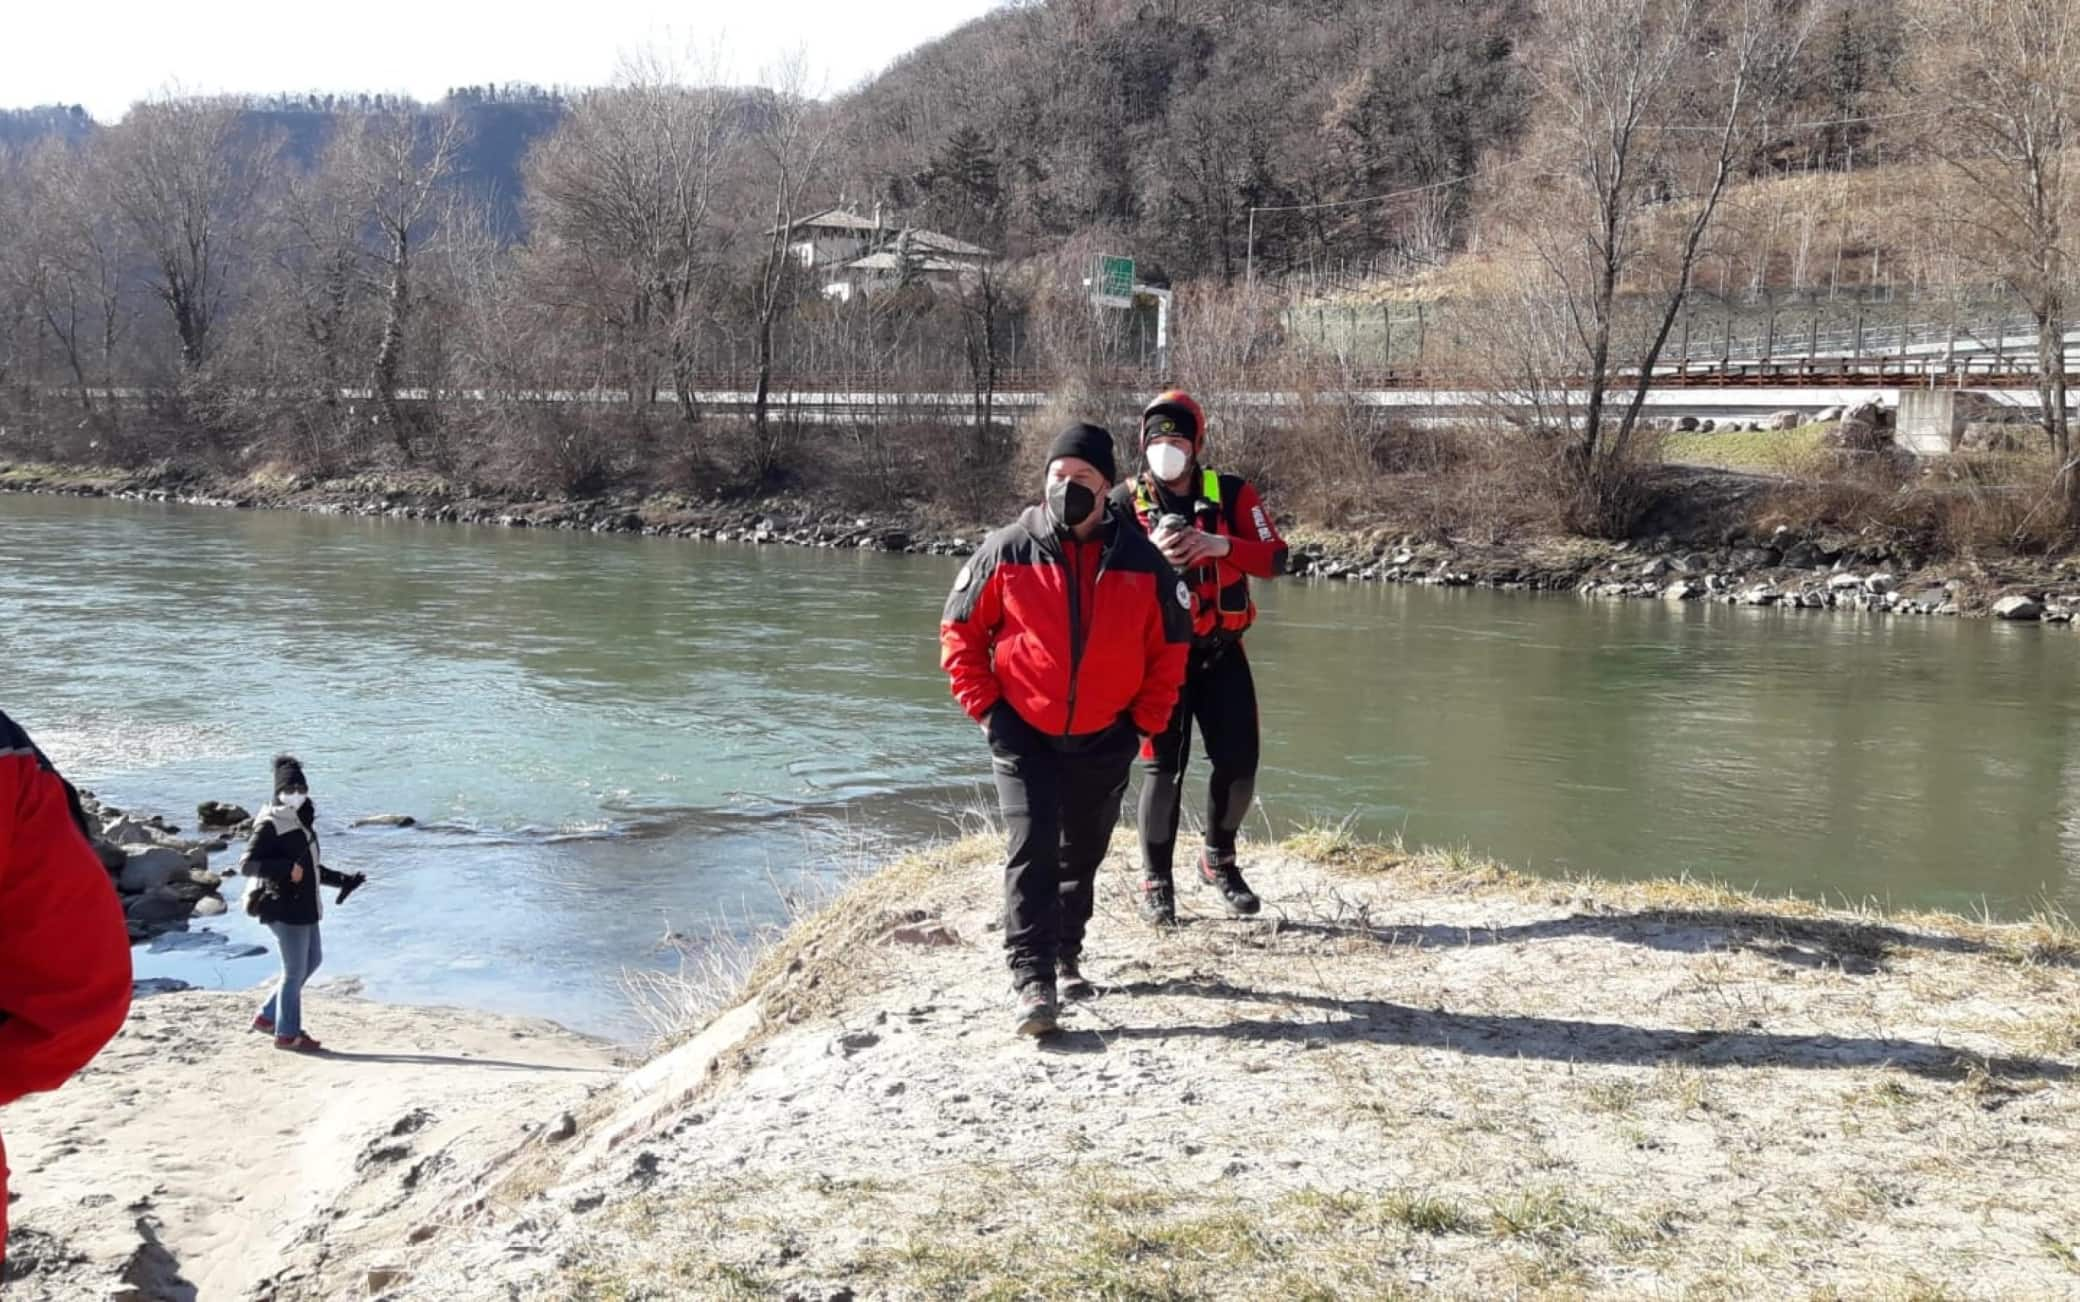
<point>1167,461</point>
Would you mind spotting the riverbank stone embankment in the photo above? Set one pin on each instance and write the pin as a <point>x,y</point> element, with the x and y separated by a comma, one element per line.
<point>1703,561</point>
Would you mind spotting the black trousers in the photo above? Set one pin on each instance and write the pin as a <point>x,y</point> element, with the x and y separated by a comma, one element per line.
<point>1061,799</point>
<point>1219,692</point>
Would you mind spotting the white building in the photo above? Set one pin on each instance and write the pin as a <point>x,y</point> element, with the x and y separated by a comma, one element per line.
<point>851,254</point>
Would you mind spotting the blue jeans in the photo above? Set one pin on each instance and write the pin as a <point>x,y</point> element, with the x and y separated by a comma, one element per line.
<point>301,954</point>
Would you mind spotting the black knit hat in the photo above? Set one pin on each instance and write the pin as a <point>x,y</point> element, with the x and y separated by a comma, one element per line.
<point>288,772</point>
<point>1093,443</point>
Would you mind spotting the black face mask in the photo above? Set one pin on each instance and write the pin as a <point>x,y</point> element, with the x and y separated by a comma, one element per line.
<point>1069,503</point>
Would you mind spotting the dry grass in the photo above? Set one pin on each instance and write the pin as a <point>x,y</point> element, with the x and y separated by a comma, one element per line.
<point>1794,452</point>
<point>1417,1072</point>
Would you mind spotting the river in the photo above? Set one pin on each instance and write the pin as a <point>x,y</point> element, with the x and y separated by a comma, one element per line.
<point>608,736</point>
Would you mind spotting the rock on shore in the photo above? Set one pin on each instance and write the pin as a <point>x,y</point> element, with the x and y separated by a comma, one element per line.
<point>162,877</point>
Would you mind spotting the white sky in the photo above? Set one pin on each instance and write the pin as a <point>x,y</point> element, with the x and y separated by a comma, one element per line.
<point>107,53</point>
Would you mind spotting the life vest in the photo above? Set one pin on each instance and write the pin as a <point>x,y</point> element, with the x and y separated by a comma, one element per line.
<point>1222,608</point>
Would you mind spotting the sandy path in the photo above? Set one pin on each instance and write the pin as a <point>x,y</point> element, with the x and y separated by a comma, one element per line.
<point>257,1172</point>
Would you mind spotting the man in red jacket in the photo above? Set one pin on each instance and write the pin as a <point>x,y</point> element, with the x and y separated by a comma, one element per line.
<point>1220,536</point>
<point>64,949</point>
<point>1065,638</point>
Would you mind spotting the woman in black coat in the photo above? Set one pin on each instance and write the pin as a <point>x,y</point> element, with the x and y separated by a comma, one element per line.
<point>283,865</point>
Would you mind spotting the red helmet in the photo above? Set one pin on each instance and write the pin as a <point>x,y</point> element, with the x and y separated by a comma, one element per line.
<point>1174,412</point>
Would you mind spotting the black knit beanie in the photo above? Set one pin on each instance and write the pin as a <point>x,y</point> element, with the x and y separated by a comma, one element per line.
<point>288,772</point>
<point>1091,442</point>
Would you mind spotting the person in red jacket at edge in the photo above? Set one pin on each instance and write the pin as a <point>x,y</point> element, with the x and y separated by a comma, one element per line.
<point>64,948</point>
<point>1226,538</point>
<point>1065,637</point>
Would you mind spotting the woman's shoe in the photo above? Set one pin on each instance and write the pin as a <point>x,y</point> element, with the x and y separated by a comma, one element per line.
<point>264,1025</point>
<point>297,1043</point>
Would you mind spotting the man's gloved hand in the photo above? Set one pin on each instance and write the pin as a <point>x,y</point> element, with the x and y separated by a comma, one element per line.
<point>354,883</point>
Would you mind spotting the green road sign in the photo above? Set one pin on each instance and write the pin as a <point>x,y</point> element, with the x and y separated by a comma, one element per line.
<point>1115,277</point>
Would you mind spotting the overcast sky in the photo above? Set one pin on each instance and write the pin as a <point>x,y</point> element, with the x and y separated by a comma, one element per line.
<point>106,54</point>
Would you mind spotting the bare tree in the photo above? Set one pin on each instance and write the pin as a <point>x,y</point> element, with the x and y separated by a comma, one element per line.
<point>1650,108</point>
<point>186,174</point>
<point>788,150</point>
<point>316,296</point>
<point>623,196</point>
<point>402,159</point>
<point>2006,74</point>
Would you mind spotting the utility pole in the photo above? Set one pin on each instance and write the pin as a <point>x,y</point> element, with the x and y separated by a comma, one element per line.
<point>1249,256</point>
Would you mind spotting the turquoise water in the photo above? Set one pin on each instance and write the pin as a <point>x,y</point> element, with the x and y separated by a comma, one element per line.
<point>608,736</point>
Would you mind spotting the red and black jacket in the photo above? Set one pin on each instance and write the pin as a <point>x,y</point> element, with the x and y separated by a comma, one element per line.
<point>1228,505</point>
<point>1070,635</point>
<point>64,948</point>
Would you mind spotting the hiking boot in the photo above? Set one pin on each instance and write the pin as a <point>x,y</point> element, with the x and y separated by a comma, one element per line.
<point>1070,980</point>
<point>1159,902</point>
<point>1036,1006</point>
<point>1227,879</point>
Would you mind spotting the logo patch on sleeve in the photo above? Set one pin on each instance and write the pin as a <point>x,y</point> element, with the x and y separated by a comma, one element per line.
<point>964,578</point>
<point>1184,595</point>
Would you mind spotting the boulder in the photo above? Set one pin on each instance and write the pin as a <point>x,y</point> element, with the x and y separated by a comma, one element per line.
<point>386,820</point>
<point>157,907</point>
<point>151,867</point>
<point>212,814</point>
<point>2018,608</point>
<point>1686,424</point>
<point>1844,582</point>
<point>1707,426</point>
<point>1803,556</point>
<point>1828,415</point>
<point>1786,419</point>
<point>209,907</point>
<point>1683,590</point>
<point>1762,594</point>
<point>1862,429</point>
<point>1880,584</point>
<point>1655,568</point>
<point>128,831</point>
<point>112,857</point>
<point>1991,436</point>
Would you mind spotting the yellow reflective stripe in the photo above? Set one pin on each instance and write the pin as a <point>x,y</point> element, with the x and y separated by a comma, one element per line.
<point>1210,489</point>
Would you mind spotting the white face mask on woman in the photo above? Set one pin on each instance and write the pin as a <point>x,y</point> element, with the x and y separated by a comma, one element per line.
<point>1167,461</point>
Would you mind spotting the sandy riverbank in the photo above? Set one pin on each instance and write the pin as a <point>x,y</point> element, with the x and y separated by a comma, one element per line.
<point>193,1160</point>
<point>1414,1073</point>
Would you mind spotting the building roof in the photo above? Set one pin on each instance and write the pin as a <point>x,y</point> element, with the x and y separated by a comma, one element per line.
<point>938,243</point>
<point>832,219</point>
<point>887,260</point>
